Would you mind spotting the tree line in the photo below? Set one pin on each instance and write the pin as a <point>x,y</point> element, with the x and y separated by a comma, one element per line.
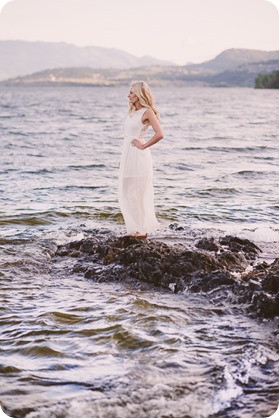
<point>267,81</point>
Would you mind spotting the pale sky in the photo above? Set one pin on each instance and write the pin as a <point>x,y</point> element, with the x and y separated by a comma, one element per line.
<point>180,31</point>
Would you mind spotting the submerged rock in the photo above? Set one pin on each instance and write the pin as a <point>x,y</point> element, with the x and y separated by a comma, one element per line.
<point>215,268</point>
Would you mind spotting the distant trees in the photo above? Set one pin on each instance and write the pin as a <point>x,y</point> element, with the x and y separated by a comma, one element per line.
<point>267,81</point>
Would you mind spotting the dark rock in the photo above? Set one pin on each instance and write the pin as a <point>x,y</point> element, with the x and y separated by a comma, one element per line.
<point>176,227</point>
<point>262,290</point>
<point>152,263</point>
<point>236,244</point>
<point>270,280</point>
<point>233,261</point>
<point>265,305</point>
<point>266,302</point>
<point>208,244</point>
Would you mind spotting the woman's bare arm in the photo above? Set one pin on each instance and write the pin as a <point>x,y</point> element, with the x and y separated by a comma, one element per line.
<point>150,118</point>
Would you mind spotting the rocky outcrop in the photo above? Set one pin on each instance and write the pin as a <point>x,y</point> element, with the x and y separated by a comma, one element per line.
<point>218,268</point>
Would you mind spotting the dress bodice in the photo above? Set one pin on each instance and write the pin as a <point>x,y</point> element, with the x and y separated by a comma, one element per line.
<point>133,127</point>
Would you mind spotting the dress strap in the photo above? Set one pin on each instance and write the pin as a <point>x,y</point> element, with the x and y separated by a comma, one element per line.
<point>138,112</point>
<point>143,109</point>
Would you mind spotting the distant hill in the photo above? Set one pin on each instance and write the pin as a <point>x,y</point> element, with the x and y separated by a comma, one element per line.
<point>18,58</point>
<point>243,76</point>
<point>231,59</point>
<point>233,67</point>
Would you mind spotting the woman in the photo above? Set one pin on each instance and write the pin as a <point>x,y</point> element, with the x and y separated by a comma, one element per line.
<point>136,196</point>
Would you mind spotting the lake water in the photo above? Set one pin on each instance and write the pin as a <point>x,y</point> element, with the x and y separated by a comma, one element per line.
<point>71,347</point>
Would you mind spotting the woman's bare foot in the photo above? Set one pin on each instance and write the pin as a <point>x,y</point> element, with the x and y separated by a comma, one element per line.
<point>138,235</point>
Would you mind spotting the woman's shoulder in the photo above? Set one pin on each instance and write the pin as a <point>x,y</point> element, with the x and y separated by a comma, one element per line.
<point>149,113</point>
<point>147,110</point>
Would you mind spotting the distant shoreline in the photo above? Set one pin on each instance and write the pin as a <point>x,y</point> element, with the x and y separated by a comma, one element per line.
<point>91,85</point>
<point>59,64</point>
<point>243,76</point>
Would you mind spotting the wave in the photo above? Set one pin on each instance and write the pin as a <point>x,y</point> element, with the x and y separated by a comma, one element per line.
<point>254,173</point>
<point>212,191</point>
<point>34,219</point>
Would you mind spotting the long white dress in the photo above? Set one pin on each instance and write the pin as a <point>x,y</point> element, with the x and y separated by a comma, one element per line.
<point>135,191</point>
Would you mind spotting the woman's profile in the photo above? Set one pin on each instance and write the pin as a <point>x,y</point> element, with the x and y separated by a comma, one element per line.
<point>135,193</point>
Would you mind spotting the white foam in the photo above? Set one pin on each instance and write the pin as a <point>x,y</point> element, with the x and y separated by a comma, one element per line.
<point>225,396</point>
<point>62,237</point>
<point>264,233</point>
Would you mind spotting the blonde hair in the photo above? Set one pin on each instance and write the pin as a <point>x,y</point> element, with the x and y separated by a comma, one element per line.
<point>145,96</point>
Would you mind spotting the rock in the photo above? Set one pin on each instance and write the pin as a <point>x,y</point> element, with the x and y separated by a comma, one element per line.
<point>208,244</point>
<point>176,227</point>
<point>270,280</point>
<point>233,261</point>
<point>245,246</point>
<point>212,268</point>
<point>260,288</point>
<point>205,282</point>
<point>265,305</point>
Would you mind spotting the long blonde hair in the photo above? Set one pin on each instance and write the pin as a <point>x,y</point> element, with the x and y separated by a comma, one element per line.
<point>145,96</point>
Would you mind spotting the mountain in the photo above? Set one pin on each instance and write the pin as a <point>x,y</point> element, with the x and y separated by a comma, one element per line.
<point>244,75</point>
<point>231,59</point>
<point>18,58</point>
<point>233,67</point>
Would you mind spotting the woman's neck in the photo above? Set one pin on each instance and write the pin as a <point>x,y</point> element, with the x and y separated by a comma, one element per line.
<point>138,106</point>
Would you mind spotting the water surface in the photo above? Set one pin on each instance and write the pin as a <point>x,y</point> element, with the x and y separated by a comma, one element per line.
<point>72,347</point>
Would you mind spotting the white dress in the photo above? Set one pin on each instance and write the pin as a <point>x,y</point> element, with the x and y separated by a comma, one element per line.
<point>135,191</point>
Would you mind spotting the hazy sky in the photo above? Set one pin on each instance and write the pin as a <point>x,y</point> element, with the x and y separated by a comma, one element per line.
<point>177,30</point>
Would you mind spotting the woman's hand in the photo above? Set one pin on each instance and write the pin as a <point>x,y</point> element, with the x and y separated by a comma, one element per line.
<point>137,143</point>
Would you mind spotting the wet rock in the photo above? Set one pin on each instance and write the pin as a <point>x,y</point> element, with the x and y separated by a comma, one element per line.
<point>265,305</point>
<point>208,244</point>
<point>233,261</point>
<point>176,227</point>
<point>235,244</point>
<point>270,279</point>
<point>265,297</point>
<point>218,268</point>
<point>204,282</point>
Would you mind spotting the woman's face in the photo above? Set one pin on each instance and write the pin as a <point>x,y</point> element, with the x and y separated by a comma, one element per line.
<point>132,97</point>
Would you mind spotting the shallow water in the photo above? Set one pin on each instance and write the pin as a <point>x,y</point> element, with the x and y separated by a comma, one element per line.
<point>71,347</point>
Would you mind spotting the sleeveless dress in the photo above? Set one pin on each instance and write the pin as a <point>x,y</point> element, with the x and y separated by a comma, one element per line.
<point>135,190</point>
